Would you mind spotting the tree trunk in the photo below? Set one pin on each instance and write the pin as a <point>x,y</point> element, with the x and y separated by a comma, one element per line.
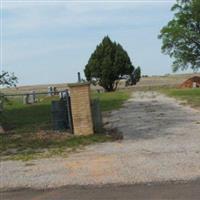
<point>108,87</point>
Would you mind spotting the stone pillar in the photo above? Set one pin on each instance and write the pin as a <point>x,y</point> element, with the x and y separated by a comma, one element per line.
<point>81,109</point>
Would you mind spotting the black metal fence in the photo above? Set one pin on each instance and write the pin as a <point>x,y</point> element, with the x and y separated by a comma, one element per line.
<point>36,111</point>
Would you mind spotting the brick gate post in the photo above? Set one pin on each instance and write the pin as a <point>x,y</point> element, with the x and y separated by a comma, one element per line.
<point>81,108</point>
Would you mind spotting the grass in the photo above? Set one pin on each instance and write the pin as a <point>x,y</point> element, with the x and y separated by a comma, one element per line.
<point>20,118</point>
<point>112,100</point>
<point>42,145</point>
<point>191,96</point>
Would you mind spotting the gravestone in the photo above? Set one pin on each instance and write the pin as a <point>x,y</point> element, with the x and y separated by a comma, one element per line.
<point>63,94</point>
<point>25,99</point>
<point>49,91</point>
<point>32,97</point>
<point>29,98</point>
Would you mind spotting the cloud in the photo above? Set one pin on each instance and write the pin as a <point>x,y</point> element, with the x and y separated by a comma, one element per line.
<point>39,36</point>
<point>21,18</point>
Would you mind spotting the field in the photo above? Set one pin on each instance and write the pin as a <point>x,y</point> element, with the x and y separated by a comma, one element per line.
<point>171,81</point>
<point>145,82</point>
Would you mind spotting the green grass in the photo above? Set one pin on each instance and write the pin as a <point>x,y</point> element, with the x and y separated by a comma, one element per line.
<point>112,100</point>
<point>191,96</point>
<point>20,118</point>
<point>31,146</point>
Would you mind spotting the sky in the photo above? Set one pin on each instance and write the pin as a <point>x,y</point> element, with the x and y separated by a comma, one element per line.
<point>50,41</point>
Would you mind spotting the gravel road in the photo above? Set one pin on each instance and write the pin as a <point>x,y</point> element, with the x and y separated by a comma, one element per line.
<point>161,143</point>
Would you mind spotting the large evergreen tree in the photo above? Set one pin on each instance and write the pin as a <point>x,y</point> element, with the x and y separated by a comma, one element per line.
<point>181,36</point>
<point>108,63</point>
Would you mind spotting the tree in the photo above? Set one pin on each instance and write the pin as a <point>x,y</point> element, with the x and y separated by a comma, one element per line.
<point>181,36</point>
<point>108,63</point>
<point>135,76</point>
<point>137,73</point>
<point>6,80</point>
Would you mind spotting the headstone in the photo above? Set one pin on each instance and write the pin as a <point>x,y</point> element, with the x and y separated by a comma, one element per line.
<point>63,94</point>
<point>32,97</point>
<point>54,91</point>
<point>29,98</point>
<point>49,91</point>
<point>60,95</point>
<point>25,99</point>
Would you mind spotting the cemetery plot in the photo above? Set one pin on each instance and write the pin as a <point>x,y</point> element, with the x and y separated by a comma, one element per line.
<point>29,128</point>
<point>27,113</point>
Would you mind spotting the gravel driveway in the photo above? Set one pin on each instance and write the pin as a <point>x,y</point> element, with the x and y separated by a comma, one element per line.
<point>161,143</point>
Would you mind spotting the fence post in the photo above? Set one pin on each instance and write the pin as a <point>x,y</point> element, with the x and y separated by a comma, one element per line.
<point>96,115</point>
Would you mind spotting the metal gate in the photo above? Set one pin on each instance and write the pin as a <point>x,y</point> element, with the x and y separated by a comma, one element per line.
<point>97,116</point>
<point>53,106</point>
<point>61,113</point>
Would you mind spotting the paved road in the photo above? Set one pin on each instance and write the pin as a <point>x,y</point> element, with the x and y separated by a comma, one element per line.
<point>178,191</point>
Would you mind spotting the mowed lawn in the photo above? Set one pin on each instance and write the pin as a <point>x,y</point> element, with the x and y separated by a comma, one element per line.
<point>29,131</point>
<point>20,118</point>
<point>191,96</point>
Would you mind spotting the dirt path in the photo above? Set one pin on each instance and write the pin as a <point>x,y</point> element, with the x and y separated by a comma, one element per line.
<point>151,115</point>
<point>162,143</point>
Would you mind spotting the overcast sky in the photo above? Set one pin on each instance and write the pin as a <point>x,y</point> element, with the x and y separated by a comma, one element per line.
<point>49,42</point>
